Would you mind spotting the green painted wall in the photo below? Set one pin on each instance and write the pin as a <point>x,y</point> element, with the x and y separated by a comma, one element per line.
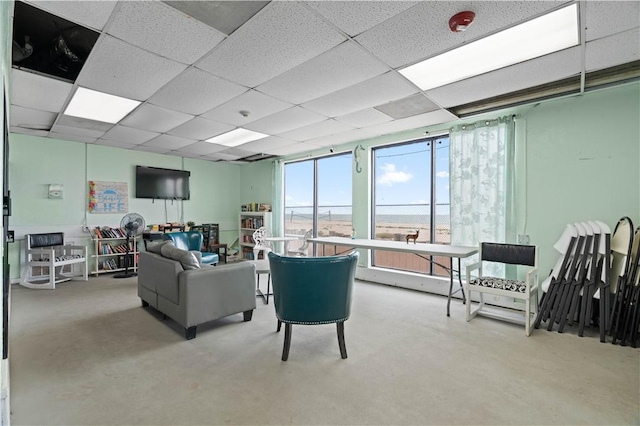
<point>256,182</point>
<point>36,162</point>
<point>582,157</point>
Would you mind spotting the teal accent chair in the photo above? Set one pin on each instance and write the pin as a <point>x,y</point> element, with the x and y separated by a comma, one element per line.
<point>191,240</point>
<point>311,291</point>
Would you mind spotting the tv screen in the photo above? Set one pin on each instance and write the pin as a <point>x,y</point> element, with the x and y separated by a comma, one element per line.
<point>167,184</point>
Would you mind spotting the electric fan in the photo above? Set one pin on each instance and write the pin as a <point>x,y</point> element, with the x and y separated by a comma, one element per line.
<point>133,224</point>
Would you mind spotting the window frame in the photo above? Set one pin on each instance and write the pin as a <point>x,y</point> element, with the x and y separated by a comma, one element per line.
<point>431,142</point>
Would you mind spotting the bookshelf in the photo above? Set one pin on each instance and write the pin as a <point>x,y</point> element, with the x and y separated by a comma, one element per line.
<point>110,247</point>
<point>248,223</point>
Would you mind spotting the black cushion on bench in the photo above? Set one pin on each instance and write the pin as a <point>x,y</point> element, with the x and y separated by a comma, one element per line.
<point>46,240</point>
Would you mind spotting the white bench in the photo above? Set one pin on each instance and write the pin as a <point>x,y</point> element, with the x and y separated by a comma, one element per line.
<point>49,253</point>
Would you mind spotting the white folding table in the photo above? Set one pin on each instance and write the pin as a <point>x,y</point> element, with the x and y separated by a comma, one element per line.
<point>419,249</point>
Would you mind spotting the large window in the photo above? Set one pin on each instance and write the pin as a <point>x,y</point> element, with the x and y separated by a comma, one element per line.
<point>411,195</point>
<point>317,195</point>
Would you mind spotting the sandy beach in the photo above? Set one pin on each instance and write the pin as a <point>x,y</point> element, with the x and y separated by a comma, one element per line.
<point>385,231</point>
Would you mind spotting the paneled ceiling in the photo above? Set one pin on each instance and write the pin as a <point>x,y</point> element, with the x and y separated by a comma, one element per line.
<point>309,74</point>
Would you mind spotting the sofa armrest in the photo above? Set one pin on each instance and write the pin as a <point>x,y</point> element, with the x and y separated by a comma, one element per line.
<point>215,292</point>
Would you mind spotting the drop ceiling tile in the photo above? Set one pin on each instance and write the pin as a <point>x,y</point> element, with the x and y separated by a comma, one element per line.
<point>363,118</point>
<point>408,107</point>
<point>340,67</point>
<point>225,16</point>
<point>323,128</point>
<point>184,154</point>
<point>70,137</point>
<point>415,122</point>
<point>23,131</point>
<point>293,148</point>
<point>382,89</point>
<point>83,123</point>
<point>31,118</point>
<point>280,122</point>
<point>341,138</point>
<point>92,14</point>
<point>240,153</point>
<point>257,104</point>
<point>613,50</point>
<point>27,91</point>
<point>76,131</point>
<point>169,142</point>
<point>114,144</point>
<point>145,24</point>
<point>119,68</point>
<point>200,129</point>
<point>423,30</point>
<point>129,135</point>
<point>220,156</point>
<point>264,145</point>
<point>605,18</point>
<point>195,92</point>
<point>155,119</point>
<point>537,71</point>
<point>354,17</point>
<point>202,148</point>
<point>150,149</point>
<point>278,38</point>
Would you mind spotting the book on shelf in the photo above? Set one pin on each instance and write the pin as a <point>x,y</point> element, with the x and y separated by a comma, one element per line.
<point>108,232</point>
<point>255,207</point>
<point>252,222</point>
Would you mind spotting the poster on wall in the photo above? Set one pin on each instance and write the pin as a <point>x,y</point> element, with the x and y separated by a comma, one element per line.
<point>108,197</point>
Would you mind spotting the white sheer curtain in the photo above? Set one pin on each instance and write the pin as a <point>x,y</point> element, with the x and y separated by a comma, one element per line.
<point>481,182</point>
<point>277,206</point>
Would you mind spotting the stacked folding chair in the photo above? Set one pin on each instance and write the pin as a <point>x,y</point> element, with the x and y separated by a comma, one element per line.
<point>625,313</point>
<point>594,268</point>
<point>553,286</point>
<point>598,283</point>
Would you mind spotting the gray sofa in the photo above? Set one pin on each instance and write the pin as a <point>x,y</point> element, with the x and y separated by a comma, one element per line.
<point>173,281</point>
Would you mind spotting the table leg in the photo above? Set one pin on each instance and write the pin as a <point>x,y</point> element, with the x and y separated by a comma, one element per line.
<point>450,284</point>
<point>464,299</point>
<point>259,293</point>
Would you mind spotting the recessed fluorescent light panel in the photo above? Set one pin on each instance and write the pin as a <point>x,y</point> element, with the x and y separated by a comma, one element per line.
<point>99,106</point>
<point>547,34</point>
<point>236,137</point>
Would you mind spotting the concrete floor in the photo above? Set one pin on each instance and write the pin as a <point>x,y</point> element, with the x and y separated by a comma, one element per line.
<point>87,353</point>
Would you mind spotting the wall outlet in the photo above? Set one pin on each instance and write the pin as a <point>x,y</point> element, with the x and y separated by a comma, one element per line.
<point>523,239</point>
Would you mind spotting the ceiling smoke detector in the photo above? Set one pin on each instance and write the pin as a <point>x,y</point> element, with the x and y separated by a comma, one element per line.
<point>461,21</point>
<point>244,113</point>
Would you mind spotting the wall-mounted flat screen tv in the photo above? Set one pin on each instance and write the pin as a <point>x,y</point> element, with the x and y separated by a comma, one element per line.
<point>164,184</point>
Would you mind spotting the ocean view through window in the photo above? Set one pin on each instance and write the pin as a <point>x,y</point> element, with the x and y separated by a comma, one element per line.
<point>411,196</point>
<point>317,195</point>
